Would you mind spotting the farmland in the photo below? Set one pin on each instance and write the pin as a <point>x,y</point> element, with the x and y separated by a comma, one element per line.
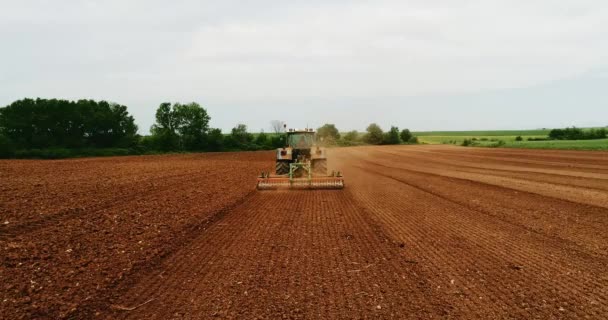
<point>599,144</point>
<point>429,231</point>
<point>457,137</point>
<point>490,138</point>
<point>487,133</point>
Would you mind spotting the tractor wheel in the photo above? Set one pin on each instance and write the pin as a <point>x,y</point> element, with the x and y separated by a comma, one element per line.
<point>319,167</point>
<point>282,167</point>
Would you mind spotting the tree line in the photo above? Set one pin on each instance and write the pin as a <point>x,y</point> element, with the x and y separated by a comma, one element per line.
<point>185,127</point>
<point>55,128</point>
<point>45,123</point>
<point>575,133</point>
<point>572,133</point>
<point>373,135</point>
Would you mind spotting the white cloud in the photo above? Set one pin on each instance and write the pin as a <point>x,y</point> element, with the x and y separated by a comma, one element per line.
<point>277,53</point>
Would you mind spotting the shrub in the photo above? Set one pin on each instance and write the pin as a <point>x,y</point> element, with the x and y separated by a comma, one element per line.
<point>407,137</point>
<point>351,136</point>
<point>7,147</point>
<point>467,142</point>
<point>54,153</point>
<point>278,141</point>
<point>519,138</point>
<point>262,139</point>
<point>392,136</point>
<point>566,134</point>
<point>241,138</point>
<point>596,134</point>
<point>215,140</point>
<point>497,144</point>
<point>164,140</point>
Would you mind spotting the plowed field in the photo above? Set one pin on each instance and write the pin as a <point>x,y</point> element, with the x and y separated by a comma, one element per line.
<point>418,232</point>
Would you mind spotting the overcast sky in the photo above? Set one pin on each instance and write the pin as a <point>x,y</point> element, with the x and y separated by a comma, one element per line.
<point>423,64</point>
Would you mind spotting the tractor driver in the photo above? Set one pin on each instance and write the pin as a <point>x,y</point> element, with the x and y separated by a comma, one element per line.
<point>302,144</point>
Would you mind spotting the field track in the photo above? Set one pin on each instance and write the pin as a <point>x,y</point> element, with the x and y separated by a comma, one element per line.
<point>419,232</point>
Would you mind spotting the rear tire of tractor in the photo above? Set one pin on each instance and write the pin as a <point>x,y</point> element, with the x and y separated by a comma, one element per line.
<point>282,168</point>
<point>319,167</point>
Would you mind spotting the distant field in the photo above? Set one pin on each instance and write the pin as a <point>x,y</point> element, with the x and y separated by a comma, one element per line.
<point>560,144</point>
<point>514,133</point>
<point>490,138</point>
<point>457,139</point>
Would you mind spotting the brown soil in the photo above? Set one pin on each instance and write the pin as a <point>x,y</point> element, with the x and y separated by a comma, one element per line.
<point>419,232</point>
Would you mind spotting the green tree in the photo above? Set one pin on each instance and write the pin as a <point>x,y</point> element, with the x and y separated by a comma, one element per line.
<point>392,136</point>
<point>278,141</point>
<point>240,137</point>
<point>165,119</point>
<point>374,134</point>
<point>164,135</point>
<point>215,140</point>
<point>181,127</point>
<point>405,135</point>
<point>109,125</point>
<point>190,118</point>
<point>328,133</point>
<point>192,125</point>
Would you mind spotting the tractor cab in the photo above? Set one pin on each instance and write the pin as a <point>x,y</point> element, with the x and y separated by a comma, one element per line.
<point>301,139</point>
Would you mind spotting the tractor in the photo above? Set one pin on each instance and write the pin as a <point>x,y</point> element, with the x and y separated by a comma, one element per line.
<point>301,164</point>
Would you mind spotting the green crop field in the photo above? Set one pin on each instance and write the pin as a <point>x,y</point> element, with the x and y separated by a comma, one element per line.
<point>491,133</point>
<point>493,138</point>
<point>600,144</point>
<point>458,139</point>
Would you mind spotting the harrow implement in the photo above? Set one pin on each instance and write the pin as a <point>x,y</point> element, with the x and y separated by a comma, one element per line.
<point>294,181</point>
<point>284,182</point>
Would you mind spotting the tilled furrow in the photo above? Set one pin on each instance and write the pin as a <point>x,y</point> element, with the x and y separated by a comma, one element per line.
<point>487,246</point>
<point>302,254</point>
